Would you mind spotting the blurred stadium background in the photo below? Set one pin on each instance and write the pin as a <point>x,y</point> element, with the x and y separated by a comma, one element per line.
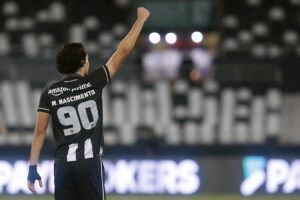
<point>206,107</point>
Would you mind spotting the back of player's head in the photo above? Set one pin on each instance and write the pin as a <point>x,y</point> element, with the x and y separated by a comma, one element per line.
<point>70,58</point>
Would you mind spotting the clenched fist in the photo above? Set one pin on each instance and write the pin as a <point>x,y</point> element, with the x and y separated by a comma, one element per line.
<point>143,13</point>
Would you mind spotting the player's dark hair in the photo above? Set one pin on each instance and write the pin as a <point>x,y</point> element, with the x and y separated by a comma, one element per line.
<point>70,58</point>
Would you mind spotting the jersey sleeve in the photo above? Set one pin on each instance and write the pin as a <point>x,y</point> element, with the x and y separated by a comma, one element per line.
<point>44,105</point>
<point>99,77</point>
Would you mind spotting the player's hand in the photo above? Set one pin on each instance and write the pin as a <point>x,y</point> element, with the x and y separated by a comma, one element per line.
<point>32,176</point>
<point>143,13</point>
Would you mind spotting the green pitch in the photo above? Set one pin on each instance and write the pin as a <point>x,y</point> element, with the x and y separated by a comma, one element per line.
<point>165,197</point>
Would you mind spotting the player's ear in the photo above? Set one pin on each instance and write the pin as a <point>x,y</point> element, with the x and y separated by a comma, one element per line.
<point>85,60</point>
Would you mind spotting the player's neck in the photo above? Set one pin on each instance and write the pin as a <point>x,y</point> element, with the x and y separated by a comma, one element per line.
<point>81,73</point>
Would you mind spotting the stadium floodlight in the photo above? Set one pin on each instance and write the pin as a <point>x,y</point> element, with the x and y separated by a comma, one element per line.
<point>171,38</point>
<point>154,38</point>
<point>197,37</point>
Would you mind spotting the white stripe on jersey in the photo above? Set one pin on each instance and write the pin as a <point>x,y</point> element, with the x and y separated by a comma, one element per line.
<point>88,149</point>
<point>43,108</point>
<point>106,73</point>
<point>72,152</point>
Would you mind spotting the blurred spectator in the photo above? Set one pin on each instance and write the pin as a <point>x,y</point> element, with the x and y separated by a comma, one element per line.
<point>171,63</point>
<point>202,60</point>
<point>196,65</point>
<point>161,63</point>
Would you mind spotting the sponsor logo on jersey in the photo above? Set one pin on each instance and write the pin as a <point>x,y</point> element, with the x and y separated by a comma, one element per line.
<point>82,87</point>
<point>58,91</point>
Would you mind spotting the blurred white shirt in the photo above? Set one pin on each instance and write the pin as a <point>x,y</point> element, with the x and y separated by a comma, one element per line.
<point>201,58</point>
<point>161,64</point>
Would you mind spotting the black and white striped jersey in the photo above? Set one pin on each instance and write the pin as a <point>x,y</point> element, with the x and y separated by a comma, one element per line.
<point>75,105</point>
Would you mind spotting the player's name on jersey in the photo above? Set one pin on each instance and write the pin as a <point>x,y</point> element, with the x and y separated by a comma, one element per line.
<point>60,90</point>
<point>73,98</point>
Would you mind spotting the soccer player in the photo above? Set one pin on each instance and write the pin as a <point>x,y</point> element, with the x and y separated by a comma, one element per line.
<point>75,105</point>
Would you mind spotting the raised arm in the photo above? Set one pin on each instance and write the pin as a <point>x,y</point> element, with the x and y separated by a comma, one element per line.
<point>128,42</point>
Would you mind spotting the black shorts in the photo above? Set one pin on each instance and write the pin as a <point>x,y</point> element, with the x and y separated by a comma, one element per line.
<point>79,180</point>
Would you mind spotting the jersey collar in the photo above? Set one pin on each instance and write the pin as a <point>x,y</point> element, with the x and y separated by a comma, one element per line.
<point>72,76</point>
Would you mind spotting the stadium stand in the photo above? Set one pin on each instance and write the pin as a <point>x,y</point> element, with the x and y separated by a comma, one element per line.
<point>269,30</point>
<point>38,30</point>
<point>177,112</point>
